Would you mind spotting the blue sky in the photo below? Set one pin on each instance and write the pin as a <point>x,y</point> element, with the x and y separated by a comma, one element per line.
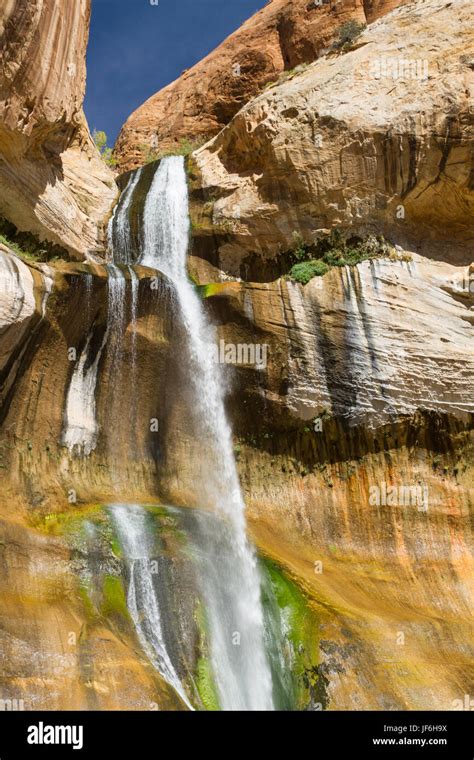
<point>136,48</point>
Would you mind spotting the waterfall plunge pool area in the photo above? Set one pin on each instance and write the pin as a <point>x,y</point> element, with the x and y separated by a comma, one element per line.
<point>149,574</point>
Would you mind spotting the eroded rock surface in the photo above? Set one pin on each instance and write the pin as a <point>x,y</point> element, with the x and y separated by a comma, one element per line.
<point>52,180</point>
<point>379,355</point>
<point>361,140</point>
<point>366,384</point>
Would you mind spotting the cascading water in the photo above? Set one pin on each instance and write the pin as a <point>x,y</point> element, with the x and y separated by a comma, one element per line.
<point>229,573</point>
<point>130,521</point>
<point>135,285</point>
<point>116,313</point>
<point>142,601</point>
<point>119,227</point>
<point>135,282</point>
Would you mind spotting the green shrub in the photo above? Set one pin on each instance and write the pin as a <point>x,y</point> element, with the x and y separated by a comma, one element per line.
<point>184,148</point>
<point>306,270</point>
<point>347,33</point>
<point>12,246</point>
<point>300,250</point>
<point>334,250</point>
<point>334,258</point>
<point>100,139</point>
<point>27,246</point>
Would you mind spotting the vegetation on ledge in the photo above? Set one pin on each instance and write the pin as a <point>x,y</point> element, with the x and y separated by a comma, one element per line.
<point>27,247</point>
<point>347,34</point>
<point>334,251</point>
<point>183,148</point>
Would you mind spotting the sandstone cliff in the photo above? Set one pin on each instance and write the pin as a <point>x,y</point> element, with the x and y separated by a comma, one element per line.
<point>196,106</point>
<point>377,139</point>
<point>366,386</point>
<point>52,180</point>
<point>380,354</point>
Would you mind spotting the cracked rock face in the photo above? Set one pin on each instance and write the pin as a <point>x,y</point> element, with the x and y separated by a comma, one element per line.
<point>52,180</point>
<point>377,138</point>
<point>205,98</point>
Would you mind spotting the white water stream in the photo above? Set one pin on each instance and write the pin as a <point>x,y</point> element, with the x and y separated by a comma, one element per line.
<point>142,601</point>
<point>226,562</point>
<point>231,586</point>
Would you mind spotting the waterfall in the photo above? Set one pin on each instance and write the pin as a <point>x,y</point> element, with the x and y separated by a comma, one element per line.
<point>229,574</point>
<point>142,602</point>
<point>135,285</point>
<point>116,321</point>
<point>81,428</point>
<point>119,227</point>
<point>135,282</point>
<point>116,313</point>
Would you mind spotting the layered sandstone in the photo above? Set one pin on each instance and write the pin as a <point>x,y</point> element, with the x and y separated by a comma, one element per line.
<point>53,182</point>
<point>377,139</point>
<point>197,105</point>
<point>379,354</point>
<point>366,387</point>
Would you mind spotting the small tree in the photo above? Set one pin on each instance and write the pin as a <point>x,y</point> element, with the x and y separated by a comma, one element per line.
<point>100,139</point>
<point>348,32</point>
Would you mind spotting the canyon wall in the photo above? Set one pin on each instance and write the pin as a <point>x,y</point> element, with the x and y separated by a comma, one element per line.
<point>357,141</point>
<point>53,182</point>
<point>204,99</point>
<point>365,387</point>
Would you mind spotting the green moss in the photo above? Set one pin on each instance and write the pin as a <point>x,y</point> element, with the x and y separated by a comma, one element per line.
<point>204,676</point>
<point>292,633</point>
<point>291,599</point>
<point>114,602</point>
<point>157,510</point>
<point>90,609</point>
<point>115,546</point>
<point>205,685</point>
<point>211,289</point>
<point>69,522</point>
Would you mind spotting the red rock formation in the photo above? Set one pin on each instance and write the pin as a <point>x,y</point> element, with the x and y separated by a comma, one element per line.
<point>284,34</point>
